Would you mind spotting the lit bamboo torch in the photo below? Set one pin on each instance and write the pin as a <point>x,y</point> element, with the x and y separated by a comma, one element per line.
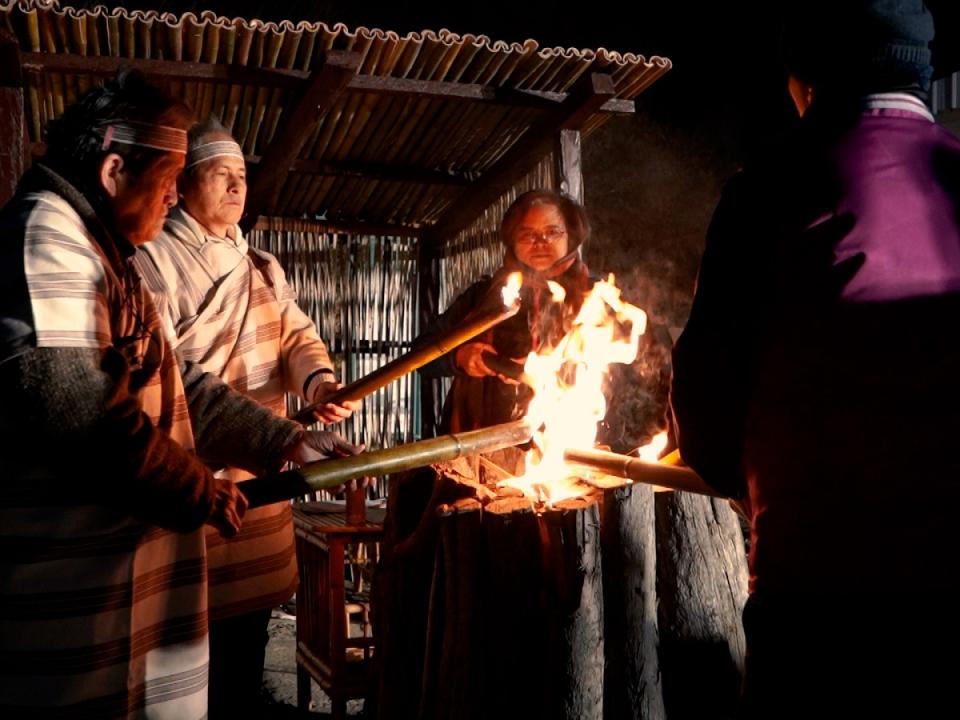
<point>664,475</point>
<point>417,358</point>
<point>331,473</point>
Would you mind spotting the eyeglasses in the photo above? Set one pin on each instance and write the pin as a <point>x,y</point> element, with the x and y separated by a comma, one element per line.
<point>550,235</point>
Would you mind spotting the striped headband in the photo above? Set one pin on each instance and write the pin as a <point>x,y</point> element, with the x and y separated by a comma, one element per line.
<point>217,148</point>
<point>157,137</point>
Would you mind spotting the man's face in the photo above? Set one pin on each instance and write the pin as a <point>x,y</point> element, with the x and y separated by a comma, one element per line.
<point>215,192</point>
<point>141,202</point>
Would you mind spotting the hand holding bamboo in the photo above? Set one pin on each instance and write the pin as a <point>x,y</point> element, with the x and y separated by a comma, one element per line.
<point>328,474</point>
<point>412,360</point>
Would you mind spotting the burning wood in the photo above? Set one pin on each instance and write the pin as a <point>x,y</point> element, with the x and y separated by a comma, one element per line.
<point>410,361</point>
<point>530,588</point>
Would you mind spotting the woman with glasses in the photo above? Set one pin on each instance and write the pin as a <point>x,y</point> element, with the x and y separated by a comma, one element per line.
<point>542,231</point>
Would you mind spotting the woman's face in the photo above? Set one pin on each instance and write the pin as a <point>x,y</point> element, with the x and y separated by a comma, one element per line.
<point>541,237</point>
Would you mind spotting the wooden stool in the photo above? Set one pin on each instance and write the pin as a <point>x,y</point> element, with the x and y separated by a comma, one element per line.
<point>325,651</point>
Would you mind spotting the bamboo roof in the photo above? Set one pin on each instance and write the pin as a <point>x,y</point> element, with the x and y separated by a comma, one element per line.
<point>353,125</point>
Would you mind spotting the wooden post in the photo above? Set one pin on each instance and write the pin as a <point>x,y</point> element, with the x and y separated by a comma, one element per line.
<point>632,687</point>
<point>702,587</point>
<point>568,159</point>
<point>12,124</point>
<point>428,308</point>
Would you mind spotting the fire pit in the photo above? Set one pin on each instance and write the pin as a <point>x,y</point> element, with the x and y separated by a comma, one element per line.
<point>526,586</point>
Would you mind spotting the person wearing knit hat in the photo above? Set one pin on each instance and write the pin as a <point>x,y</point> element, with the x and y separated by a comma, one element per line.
<point>817,375</point>
<point>859,46</point>
<point>227,306</point>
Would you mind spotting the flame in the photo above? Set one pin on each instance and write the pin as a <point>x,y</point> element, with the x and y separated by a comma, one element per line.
<point>557,293</point>
<point>511,291</point>
<point>568,383</point>
<point>651,451</point>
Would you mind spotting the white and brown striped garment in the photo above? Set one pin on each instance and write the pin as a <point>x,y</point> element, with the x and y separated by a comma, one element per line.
<point>101,615</point>
<point>229,308</point>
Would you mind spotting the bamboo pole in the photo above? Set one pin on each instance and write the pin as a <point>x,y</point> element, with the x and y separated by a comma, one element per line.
<point>410,361</point>
<point>668,476</point>
<point>332,473</point>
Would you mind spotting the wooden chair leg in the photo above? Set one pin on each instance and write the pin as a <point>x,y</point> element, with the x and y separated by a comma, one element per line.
<point>338,708</point>
<point>303,688</point>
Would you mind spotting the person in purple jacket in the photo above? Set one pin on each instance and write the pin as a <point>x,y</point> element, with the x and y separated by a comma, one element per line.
<point>819,375</point>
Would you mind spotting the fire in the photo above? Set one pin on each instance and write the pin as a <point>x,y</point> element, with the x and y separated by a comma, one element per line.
<point>511,291</point>
<point>651,451</point>
<point>568,384</point>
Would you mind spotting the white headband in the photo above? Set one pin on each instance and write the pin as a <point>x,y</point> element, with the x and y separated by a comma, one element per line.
<point>210,150</point>
<point>158,137</point>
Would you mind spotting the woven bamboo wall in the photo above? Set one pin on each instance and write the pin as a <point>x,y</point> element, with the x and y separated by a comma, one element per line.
<point>360,292</point>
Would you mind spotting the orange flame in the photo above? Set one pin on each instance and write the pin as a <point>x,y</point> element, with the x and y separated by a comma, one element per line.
<point>651,451</point>
<point>511,291</point>
<point>568,397</point>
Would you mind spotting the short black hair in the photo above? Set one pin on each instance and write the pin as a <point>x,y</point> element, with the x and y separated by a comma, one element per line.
<point>75,139</point>
<point>574,216</point>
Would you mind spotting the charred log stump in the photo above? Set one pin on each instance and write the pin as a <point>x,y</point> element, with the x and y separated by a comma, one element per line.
<point>402,586</point>
<point>701,585</point>
<point>631,683</point>
<point>453,681</point>
<point>574,609</point>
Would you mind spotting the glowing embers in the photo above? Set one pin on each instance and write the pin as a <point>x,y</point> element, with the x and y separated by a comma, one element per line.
<point>568,382</point>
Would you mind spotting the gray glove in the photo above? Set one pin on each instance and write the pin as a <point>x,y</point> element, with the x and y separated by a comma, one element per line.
<point>314,445</point>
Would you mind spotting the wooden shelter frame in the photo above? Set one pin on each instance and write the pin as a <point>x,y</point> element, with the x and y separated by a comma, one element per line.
<point>555,122</point>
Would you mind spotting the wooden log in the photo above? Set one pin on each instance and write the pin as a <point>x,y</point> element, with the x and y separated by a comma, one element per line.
<point>402,587</point>
<point>574,606</point>
<point>632,687</point>
<point>454,680</point>
<point>702,587</point>
<point>515,640</point>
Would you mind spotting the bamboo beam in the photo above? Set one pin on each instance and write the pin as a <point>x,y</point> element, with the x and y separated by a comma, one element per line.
<point>12,120</point>
<point>375,171</point>
<point>585,98</point>
<point>164,70</point>
<point>171,70</point>
<point>538,99</point>
<point>660,474</point>
<point>325,86</point>
<point>284,224</point>
<point>328,474</point>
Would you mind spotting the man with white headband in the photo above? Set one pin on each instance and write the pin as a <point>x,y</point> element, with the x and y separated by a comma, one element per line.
<point>228,307</point>
<point>102,496</point>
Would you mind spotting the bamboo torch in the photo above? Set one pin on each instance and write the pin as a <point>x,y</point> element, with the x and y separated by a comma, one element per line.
<point>331,473</point>
<point>667,475</point>
<point>417,358</point>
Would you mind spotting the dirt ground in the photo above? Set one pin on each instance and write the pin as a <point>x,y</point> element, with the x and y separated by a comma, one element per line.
<point>280,676</point>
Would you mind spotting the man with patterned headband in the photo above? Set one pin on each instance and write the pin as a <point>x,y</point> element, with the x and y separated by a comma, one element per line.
<point>102,568</point>
<point>228,307</point>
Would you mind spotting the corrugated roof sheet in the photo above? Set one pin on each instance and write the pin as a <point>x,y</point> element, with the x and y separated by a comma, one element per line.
<point>456,138</point>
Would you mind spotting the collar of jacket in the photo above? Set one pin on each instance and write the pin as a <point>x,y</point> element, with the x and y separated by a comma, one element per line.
<point>190,232</point>
<point>41,177</point>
